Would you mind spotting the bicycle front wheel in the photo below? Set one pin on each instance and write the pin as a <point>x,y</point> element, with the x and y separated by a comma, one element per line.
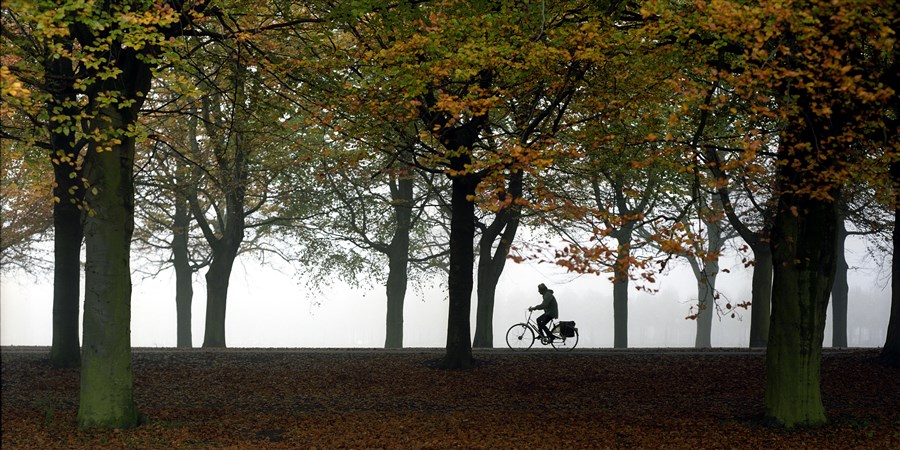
<point>520,337</point>
<point>561,343</point>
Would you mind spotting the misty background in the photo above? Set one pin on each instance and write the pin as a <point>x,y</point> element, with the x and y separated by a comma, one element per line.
<point>269,307</point>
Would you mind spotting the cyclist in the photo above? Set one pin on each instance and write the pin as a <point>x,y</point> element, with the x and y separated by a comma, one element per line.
<point>550,308</point>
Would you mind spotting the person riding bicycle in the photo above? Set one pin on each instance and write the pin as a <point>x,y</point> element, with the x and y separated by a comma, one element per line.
<point>550,308</point>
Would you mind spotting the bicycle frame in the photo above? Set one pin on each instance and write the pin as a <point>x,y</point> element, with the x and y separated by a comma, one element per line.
<point>534,326</point>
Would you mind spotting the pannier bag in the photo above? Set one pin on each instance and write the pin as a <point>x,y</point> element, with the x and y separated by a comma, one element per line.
<point>568,329</point>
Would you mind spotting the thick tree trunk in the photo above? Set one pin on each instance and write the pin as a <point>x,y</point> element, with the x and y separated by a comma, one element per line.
<point>462,236</point>
<point>106,399</point>
<point>620,292</point>
<point>840,293</point>
<point>804,255</point>
<point>891,350</point>
<point>68,235</point>
<point>184,291</point>
<point>761,296</point>
<point>65,350</point>
<point>398,259</point>
<point>218,277</point>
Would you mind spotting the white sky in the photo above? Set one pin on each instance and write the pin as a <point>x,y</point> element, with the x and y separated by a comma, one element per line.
<point>267,308</point>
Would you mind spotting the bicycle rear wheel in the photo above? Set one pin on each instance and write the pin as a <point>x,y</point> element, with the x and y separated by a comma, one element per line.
<point>520,337</point>
<point>565,343</point>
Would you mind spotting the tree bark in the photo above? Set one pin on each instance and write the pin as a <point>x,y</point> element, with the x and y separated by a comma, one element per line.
<point>68,235</point>
<point>840,292</point>
<point>620,290</point>
<point>491,262</point>
<point>706,297</point>
<point>218,277</point>
<point>398,259</point>
<point>761,296</point>
<point>890,353</point>
<point>184,291</point>
<point>462,236</point>
<point>396,297</point>
<point>804,245</point>
<point>68,230</point>
<point>804,257</point>
<point>106,399</point>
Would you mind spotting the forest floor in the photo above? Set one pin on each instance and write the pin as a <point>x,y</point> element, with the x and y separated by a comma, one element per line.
<point>257,398</point>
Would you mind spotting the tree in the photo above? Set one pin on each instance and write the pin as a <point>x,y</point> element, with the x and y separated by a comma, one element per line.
<point>703,258</point>
<point>860,214</point>
<point>53,109</point>
<point>113,50</point>
<point>816,70</point>
<point>611,198</point>
<point>741,182</point>
<point>492,257</point>
<point>165,231</point>
<point>431,67</point>
<point>891,350</point>
<point>374,209</point>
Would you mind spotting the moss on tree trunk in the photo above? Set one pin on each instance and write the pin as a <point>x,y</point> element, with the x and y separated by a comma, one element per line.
<point>804,259</point>
<point>106,376</point>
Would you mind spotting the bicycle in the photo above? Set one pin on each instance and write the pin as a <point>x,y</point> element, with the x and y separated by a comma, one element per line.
<point>521,336</point>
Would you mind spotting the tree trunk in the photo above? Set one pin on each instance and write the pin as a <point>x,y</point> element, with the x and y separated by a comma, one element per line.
<point>840,292</point>
<point>68,235</point>
<point>231,156</point>
<point>804,255</point>
<point>891,350</point>
<point>65,350</point>
<point>106,399</point>
<point>462,236</point>
<point>706,297</point>
<point>706,270</point>
<point>396,297</point>
<point>218,277</point>
<point>184,291</point>
<point>620,292</point>
<point>761,296</point>
<point>486,292</point>
<point>398,259</point>
<point>492,262</point>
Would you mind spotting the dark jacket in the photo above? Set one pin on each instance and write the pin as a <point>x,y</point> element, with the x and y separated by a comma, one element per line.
<point>549,305</point>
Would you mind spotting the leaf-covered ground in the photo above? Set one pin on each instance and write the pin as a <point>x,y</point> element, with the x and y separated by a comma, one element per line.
<point>364,399</point>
